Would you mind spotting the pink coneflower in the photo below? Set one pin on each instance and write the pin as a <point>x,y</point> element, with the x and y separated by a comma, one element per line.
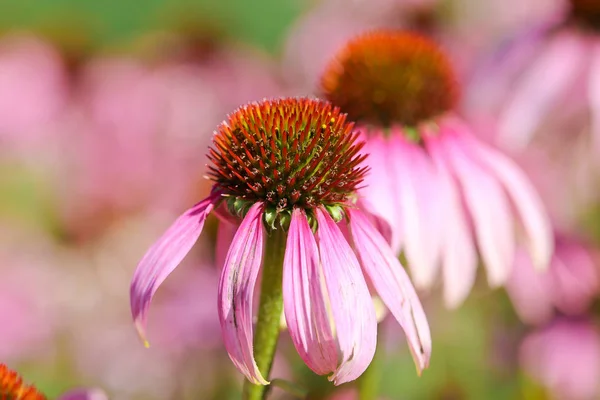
<point>288,170</point>
<point>546,79</point>
<point>12,387</point>
<point>565,358</point>
<point>443,194</point>
<point>570,284</point>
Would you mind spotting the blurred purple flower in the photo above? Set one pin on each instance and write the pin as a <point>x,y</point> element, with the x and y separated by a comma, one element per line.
<point>565,358</point>
<point>438,192</point>
<point>326,301</point>
<point>34,90</point>
<point>544,79</point>
<point>570,284</point>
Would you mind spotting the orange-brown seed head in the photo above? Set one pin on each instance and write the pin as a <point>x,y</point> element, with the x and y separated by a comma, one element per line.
<point>391,77</point>
<point>294,152</point>
<point>13,388</point>
<point>586,12</point>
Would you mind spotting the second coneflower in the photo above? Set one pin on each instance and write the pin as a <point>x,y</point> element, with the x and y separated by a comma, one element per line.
<point>286,171</point>
<point>443,193</point>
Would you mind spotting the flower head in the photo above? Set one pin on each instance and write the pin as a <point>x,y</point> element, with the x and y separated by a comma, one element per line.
<point>290,153</point>
<point>291,167</point>
<point>439,193</point>
<point>12,387</point>
<point>586,12</point>
<point>389,77</point>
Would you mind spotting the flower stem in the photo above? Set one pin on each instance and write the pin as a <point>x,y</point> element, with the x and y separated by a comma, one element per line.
<point>269,313</point>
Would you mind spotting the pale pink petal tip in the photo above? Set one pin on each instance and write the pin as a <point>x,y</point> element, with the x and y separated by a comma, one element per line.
<point>393,286</point>
<point>525,199</point>
<point>236,292</point>
<point>305,298</point>
<point>163,257</point>
<point>84,394</point>
<point>350,301</point>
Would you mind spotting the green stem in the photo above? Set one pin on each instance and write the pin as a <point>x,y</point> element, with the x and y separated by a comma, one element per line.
<point>370,381</point>
<point>269,312</point>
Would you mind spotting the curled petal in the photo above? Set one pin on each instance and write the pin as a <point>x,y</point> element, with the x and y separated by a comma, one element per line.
<point>524,198</point>
<point>351,306</point>
<point>163,257</point>
<point>542,87</point>
<point>236,290</point>
<point>305,298</point>
<point>490,211</point>
<point>393,286</point>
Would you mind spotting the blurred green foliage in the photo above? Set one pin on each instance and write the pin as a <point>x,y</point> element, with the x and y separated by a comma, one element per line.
<point>110,23</point>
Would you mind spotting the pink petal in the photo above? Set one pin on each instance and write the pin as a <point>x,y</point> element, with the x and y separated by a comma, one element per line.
<point>236,290</point>
<point>163,257</point>
<point>541,88</point>
<point>524,197</point>
<point>84,394</point>
<point>459,258</point>
<point>378,193</point>
<point>594,96</point>
<point>305,298</point>
<point>420,209</point>
<point>393,285</point>
<point>490,211</point>
<point>350,301</point>
<point>529,291</point>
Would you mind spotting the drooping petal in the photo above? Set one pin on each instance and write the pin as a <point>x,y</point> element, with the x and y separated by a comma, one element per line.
<point>236,290</point>
<point>525,199</point>
<point>393,285</point>
<point>459,258</point>
<point>594,97</point>
<point>489,208</point>
<point>351,306</point>
<point>163,257</point>
<point>84,394</point>
<point>542,86</point>
<point>379,192</point>
<point>305,298</point>
<point>420,209</point>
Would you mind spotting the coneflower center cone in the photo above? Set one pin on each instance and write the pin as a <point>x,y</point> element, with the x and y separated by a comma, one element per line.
<point>288,153</point>
<point>587,13</point>
<point>387,77</point>
<point>12,387</point>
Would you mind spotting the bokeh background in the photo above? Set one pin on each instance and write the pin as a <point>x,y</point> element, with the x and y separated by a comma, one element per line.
<point>106,111</point>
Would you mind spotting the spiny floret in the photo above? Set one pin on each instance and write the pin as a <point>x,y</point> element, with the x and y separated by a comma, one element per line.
<point>13,388</point>
<point>293,152</point>
<point>391,77</point>
<point>586,12</point>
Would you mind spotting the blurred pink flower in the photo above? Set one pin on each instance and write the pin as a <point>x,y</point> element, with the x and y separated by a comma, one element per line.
<point>34,90</point>
<point>135,132</point>
<point>326,301</point>
<point>27,303</point>
<point>102,347</point>
<point>543,80</point>
<point>565,358</point>
<point>570,284</point>
<point>439,194</point>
